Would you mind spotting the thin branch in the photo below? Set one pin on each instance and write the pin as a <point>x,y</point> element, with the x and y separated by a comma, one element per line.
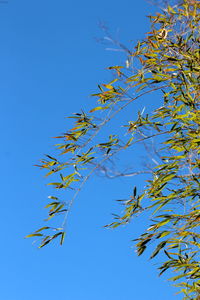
<point>96,167</point>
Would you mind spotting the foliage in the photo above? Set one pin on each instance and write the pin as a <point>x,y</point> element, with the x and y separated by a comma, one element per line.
<point>167,60</point>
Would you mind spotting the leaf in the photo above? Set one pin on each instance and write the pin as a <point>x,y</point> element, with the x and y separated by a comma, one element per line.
<point>62,237</point>
<point>33,234</point>
<point>158,248</point>
<point>53,197</point>
<point>99,108</point>
<point>43,228</point>
<point>54,204</point>
<point>45,243</point>
<point>53,158</point>
<point>56,235</point>
<point>134,191</point>
<point>163,234</point>
<point>168,254</point>
<point>140,250</point>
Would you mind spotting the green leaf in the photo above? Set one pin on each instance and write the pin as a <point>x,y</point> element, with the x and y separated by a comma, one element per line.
<point>33,234</point>
<point>140,250</point>
<point>62,237</point>
<point>158,248</point>
<point>43,228</point>
<point>99,108</point>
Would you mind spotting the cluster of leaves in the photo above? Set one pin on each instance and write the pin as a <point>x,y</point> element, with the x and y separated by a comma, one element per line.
<point>168,60</point>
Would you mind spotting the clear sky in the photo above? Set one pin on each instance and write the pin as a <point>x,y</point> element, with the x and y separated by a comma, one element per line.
<point>50,63</point>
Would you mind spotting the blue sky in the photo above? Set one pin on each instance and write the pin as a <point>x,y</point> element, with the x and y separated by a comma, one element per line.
<point>51,61</point>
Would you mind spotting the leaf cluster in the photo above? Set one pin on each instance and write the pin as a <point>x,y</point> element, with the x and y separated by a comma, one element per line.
<point>167,60</point>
